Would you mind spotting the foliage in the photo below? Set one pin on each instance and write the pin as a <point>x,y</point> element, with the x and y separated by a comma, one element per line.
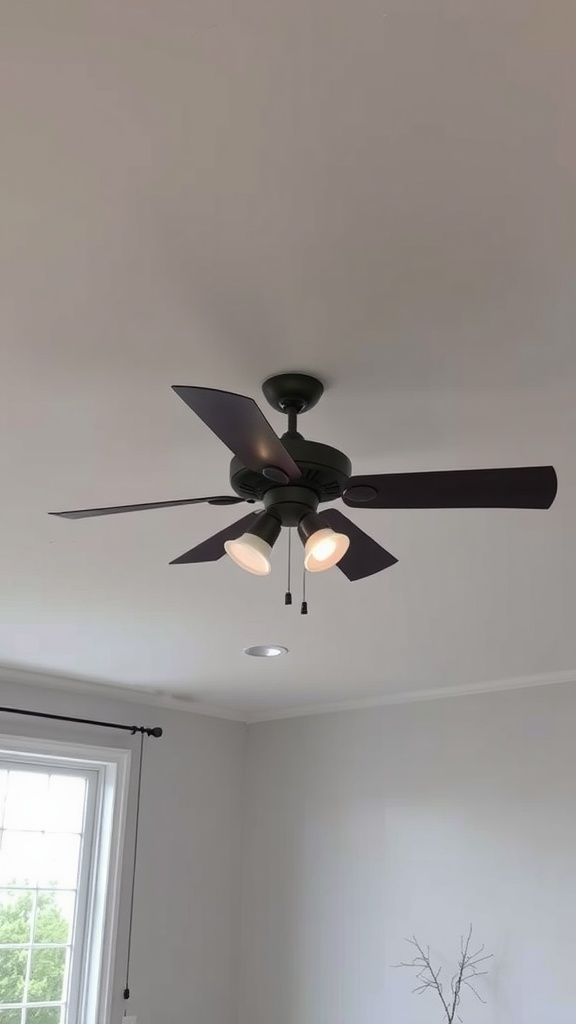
<point>47,966</point>
<point>467,971</point>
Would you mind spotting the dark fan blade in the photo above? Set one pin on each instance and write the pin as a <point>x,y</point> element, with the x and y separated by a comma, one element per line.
<point>87,513</point>
<point>212,549</point>
<point>241,425</point>
<point>364,556</point>
<point>527,487</point>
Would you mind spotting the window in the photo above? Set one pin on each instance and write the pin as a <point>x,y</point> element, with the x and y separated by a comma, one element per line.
<point>61,823</point>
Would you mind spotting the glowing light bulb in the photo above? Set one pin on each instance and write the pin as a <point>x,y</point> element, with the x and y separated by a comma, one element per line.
<point>324,549</point>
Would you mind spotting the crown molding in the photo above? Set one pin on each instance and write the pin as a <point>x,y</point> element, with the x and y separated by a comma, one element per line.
<point>415,696</point>
<point>104,691</point>
<point>156,699</point>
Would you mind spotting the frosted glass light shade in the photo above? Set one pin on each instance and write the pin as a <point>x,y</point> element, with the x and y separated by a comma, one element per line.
<point>250,553</point>
<point>324,549</point>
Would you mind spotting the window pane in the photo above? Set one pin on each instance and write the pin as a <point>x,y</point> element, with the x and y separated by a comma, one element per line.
<point>65,809</point>
<point>12,974</point>
<point>60,861</point>
<point>57,855</point>
<point>20,858</point>
<point>47,975</point>
<point>26,800</point>
<point>10,1017</point>
<point>29,858</point>
<point>54,917</point>
<point>41,1015</point>
<point>15,915</point>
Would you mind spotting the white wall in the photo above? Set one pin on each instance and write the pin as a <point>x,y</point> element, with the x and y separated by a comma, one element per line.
<point>364,827</point>
<point>360,828</point>
<point>185,946</point>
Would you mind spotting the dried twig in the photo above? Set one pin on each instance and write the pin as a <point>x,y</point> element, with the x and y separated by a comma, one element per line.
<point>428,977</point>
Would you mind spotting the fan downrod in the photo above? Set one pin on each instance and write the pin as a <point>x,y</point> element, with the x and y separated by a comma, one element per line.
<point>297,392</point>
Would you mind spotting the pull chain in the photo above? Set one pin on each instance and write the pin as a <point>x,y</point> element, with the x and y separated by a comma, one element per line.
<point>304,605</point>
<point>288,595</point>
<point>134,865</point>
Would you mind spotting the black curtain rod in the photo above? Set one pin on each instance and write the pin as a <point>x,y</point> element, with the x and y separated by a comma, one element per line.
<point>157,731</point>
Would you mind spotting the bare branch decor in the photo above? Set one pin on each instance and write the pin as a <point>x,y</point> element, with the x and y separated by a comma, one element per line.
<point>467,971</point>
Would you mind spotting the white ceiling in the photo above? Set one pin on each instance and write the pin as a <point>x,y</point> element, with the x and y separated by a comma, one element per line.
<point>210,191</point>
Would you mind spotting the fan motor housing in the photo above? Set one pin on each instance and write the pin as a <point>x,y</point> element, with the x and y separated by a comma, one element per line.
<point>325,471</point>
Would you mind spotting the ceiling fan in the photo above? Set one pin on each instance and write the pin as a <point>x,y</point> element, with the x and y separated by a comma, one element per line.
<point>291,477</point>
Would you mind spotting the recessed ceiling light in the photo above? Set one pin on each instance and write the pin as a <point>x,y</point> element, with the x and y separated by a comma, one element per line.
<point>265,651</point>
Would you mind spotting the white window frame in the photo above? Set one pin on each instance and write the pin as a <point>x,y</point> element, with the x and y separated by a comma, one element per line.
<point>95,932</point>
